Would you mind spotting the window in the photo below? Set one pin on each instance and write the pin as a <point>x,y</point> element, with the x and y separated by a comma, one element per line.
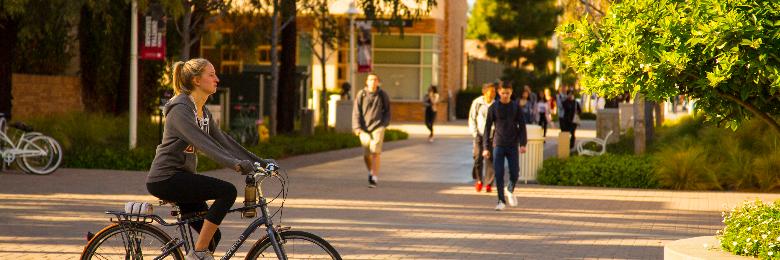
<point>406,65</point>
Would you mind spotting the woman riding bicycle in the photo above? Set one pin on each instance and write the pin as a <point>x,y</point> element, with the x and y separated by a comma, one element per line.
<point>190,128</point>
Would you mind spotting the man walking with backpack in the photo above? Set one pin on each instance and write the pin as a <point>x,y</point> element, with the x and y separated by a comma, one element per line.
<point>509,140</point>
<point>370,117</point>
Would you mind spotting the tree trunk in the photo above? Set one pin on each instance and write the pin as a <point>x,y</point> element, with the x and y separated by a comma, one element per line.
<point>649,121</point>
<point>753,109</point>
<point>640,129</point>
<point>9,29</point>
<point>274,69</point>
<point>323,95</point>
<point>121,103</point>
<point>186,29</point>
<point>288,89</point>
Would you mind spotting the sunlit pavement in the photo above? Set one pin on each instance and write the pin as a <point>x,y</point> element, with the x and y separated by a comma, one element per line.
<point>424,208</point>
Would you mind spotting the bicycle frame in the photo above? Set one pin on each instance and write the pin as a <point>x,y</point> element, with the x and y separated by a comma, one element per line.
<point>16,151</point>
<point>186,232</point>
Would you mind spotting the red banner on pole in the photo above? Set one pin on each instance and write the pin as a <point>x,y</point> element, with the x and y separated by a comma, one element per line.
<point>153,44</point>
<point>364,46</point>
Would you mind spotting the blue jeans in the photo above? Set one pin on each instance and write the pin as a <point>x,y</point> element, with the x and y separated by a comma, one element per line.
<point>513,157</point>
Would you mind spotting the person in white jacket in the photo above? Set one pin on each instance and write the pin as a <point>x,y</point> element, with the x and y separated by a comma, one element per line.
<point>477,119</point>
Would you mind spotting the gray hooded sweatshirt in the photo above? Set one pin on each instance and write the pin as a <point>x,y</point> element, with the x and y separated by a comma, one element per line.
<point>184,135</point>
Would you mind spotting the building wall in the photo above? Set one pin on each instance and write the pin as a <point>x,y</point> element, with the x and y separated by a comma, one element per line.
<point>454,57</point>
<point>39,95</point>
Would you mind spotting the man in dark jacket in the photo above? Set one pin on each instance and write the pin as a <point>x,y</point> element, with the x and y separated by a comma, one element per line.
<point>509,139</point>
<point>370,117</point>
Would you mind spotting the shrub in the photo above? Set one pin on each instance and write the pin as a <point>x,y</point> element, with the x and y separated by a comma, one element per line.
<point>684,166</point>
<point>99,141</point>
<point>619,171</point>
<point>752,229</point>
<point>587,116</point>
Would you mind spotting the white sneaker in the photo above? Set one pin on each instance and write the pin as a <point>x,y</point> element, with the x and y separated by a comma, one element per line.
<point>510,198</point>
<point>500,206</point>
<point>199,255</point>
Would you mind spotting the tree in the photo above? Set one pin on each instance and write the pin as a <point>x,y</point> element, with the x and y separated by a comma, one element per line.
<point>512,22</point>
<point>288,83</point>
<point>478,26</point>
<point>722,53</point>
<point>189,17</point>
<point>328,33</point>
<point>34,38</point>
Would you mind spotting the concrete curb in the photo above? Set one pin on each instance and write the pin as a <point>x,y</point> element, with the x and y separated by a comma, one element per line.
<point>695,249</point>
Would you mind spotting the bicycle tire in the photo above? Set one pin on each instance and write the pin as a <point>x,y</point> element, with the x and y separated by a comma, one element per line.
<point>54,155</point>
<point>115,229</point>
<point>262,249</point>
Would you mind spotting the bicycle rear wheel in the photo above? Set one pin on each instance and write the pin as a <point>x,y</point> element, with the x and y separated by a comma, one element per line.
<point>110,243</point>
<point>44,164</point>
<point>297,245</point>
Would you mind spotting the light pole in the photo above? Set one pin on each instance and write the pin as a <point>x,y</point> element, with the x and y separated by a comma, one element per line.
<point>352,12</point>
<point>133,74</point>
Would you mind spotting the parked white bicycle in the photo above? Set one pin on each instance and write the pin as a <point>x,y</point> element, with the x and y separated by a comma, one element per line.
<point>34,153</point>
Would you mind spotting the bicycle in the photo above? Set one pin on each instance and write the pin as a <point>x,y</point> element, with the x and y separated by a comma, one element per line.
<point>132,235</point>
<point>37,153</point>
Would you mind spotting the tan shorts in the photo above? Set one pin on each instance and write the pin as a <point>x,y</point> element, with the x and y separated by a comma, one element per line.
<point>372,142</point>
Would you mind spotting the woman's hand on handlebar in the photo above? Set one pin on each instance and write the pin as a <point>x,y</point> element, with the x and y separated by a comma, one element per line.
<point>245,167</point>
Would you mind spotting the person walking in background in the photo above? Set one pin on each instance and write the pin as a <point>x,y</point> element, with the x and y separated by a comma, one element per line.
<point>559,98</point>
<point>533,99</point>
<point>477,118</point>
<point>571,111</point>
<point>345,88</point>
<point>507,142</point>
<point>370,117</point>
<point>431,101</point>
<point>543,113</point>
<point>526,105</point>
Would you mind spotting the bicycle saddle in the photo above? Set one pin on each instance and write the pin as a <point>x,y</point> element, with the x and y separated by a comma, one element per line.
<point>22,126</point>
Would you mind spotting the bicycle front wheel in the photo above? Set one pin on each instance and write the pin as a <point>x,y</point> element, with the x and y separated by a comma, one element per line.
<point>139,242</point>
<point>297,245</point>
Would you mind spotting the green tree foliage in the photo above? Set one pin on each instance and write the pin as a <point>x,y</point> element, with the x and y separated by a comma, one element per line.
<point>721,52</point>
<point>478,26</point>
<point>509,23</point>
<point>104,38</point>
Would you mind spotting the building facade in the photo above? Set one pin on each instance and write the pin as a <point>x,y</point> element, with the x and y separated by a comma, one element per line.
<point>430,51</point>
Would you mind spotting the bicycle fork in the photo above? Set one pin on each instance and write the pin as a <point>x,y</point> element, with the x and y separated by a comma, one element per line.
<point>276,237</point>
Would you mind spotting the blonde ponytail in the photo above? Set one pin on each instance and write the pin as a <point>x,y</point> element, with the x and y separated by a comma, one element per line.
<point>177,80</point>
<point>184,72</point>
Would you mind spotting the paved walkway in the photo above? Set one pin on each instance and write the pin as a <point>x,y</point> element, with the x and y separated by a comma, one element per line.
<point>424,208</point>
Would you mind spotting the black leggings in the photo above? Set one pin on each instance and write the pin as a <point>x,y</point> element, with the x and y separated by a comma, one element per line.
<point>430,117</point>
<point>191,191</point>
<point>543,123</point>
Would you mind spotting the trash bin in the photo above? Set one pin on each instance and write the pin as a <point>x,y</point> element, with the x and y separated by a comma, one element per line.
<point>532,159</point>
<point>307,122</point>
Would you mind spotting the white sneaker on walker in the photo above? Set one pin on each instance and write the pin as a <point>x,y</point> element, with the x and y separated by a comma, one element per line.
<point>500,206</point>
<point>510,198</point>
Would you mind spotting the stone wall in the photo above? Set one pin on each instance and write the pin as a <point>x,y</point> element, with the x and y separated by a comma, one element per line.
<point>40,95</point>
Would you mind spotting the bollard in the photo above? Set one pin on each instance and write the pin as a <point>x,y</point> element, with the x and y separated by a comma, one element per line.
<point>563,144</point>
<point>532,159</point>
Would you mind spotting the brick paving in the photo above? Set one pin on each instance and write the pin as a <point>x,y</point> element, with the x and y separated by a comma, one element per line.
<point>424,208</point>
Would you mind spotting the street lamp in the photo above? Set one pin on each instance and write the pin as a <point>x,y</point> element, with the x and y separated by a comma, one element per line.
<point>352,12</point>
